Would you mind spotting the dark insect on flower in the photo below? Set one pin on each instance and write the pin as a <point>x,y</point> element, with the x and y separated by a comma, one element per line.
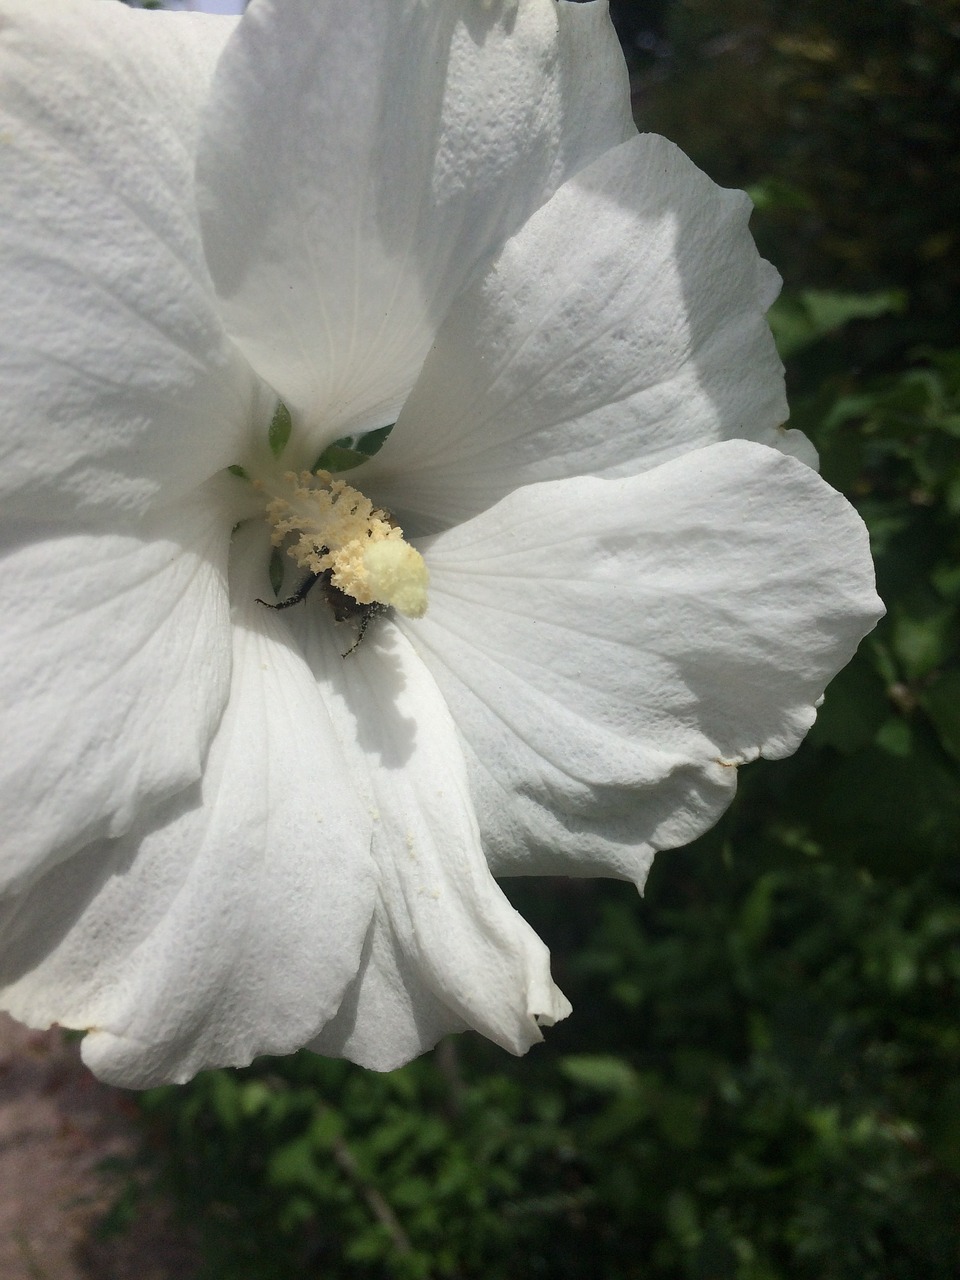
<point>345,608</point>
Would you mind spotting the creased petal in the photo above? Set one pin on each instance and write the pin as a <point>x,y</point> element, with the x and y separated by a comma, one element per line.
<point>231,925</point>
<point>611,650</point>
<point>448,951</point>
<point>118,381</point>
<point>361,160</point>
<point>622,326</point>
<point>115,669</point>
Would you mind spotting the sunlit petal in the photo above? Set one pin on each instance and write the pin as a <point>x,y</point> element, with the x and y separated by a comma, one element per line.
<point>622,326</point>
<point>355,172</point>
<point>448,950</point>
<point>612,650</point>
<point>229,922</point>
<point>119,386</point>
<point>116,664</point>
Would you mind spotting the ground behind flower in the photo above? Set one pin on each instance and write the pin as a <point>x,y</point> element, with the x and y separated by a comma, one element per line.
<point>67,1145</point>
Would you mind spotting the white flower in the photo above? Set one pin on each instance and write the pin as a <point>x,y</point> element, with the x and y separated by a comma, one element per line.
<point>220,837</point>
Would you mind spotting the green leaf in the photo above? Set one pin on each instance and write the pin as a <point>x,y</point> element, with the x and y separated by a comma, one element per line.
<point>278,433</point>
<point>326,1128</point>
<point>226,1099</point>
<point>606,1073</point>
<point>774,195</point>
<point>294,1165</point>
<point>854,708</point>
<point>254,1097</point>
<point>800,320</point>
<point>894,806</point>
<point>756,912</point>
<point>941,701</point>
<point>924,634</point>
<point>829,311</point>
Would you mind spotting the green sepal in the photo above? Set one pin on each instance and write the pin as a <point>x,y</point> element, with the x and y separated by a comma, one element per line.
<point>281,424</point>
<point>238,471</point>
<point>337,457</point>
<point>352,451</point>
<point>372,442</point>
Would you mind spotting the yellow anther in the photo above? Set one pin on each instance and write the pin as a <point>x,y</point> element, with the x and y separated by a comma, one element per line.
<point>335,527</point>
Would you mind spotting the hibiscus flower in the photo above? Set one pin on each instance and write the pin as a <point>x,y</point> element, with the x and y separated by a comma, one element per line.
<point>582,581</point>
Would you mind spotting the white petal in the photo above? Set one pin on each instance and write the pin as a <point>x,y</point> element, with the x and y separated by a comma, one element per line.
<point>118,381</point>
<point>623,325</point>
<point>232,925</point>
<point>448,951</point>
<point>360,160</point>
<point>114,673</point>
<point>611,650</point>
<point>594,93</point>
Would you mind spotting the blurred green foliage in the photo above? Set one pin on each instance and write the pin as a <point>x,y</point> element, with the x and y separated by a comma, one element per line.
<point>760,1080</point>
<point>850,114</point>
<point>759,1083</point>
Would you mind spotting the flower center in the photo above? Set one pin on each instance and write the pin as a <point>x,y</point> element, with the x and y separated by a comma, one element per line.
<point>332,526</point>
